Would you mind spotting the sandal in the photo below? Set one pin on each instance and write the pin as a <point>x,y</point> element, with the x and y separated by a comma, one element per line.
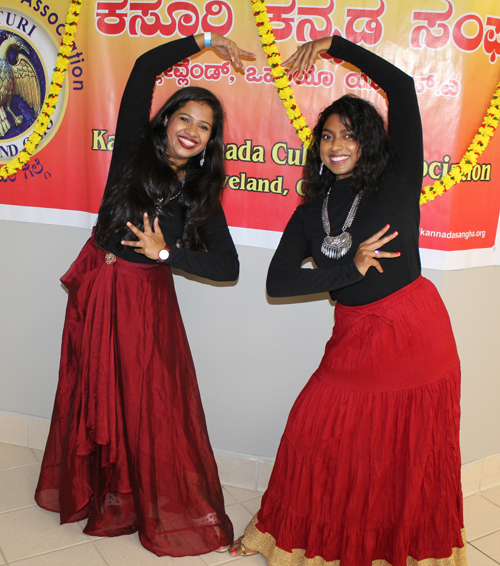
<point>223,548</point>
<point>244,550</point>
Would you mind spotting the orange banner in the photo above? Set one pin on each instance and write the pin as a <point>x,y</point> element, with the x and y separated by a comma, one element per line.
<point>451,48</point>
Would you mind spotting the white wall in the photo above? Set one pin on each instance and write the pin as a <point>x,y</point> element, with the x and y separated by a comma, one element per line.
<point>253,355</point>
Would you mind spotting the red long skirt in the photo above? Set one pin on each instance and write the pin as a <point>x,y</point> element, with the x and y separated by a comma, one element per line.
<point>368,469</point>
<point>128,446</point>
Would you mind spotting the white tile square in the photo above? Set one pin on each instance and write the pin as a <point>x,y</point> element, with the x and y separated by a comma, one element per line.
<point>481,517</point>
<point>491,472</point>
<point>266,466</point>
<point>239,472</point>
<point>12,456</point>
<point>13,429</point>
<point>189,561</point>
<point>492,495</point>
<point>17,487</point>
<point>490,545</point>
<point>81,555</point>
<point>257,560</point>
<point>216,558</point>
<point>127,550</point>
<point>38,431</point>
<point>477,558</point>
<point>471,478</point>
<point>31,531</point>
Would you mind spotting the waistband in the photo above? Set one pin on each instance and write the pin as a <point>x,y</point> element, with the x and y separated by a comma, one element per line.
<point>420,284</point>
<point>111,258</point>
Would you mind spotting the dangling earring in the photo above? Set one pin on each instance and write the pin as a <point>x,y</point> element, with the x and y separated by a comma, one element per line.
<point>321,168</point>
<point>202,160</point>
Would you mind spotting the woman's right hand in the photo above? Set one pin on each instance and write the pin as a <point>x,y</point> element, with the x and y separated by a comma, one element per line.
<point>369,251</point>
<point>225,47</point>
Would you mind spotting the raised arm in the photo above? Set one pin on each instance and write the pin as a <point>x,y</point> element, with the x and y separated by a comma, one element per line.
<point>136,100</point>
<point>135,105</point>
<point>405,126</point>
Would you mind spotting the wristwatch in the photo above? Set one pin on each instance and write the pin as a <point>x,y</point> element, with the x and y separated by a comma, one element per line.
<point>163,254</point>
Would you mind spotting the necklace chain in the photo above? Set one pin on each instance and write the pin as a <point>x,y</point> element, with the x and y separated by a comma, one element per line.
<point>336,247</point>
<point>159,201</point>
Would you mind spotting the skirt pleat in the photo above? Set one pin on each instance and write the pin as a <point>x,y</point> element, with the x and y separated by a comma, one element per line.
<point>128,446</point>
<point>368,468</point>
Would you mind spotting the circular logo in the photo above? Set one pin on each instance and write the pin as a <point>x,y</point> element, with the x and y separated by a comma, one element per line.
<point>27,50</point>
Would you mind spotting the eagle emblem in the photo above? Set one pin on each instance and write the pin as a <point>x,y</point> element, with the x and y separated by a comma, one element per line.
<point>19,78</point>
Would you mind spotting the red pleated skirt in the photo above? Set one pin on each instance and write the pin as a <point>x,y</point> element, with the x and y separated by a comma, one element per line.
<point>368,469</point>
<point>128,446</point>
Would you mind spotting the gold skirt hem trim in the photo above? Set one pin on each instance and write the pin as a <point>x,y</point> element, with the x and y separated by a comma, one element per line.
<point>275,556</point>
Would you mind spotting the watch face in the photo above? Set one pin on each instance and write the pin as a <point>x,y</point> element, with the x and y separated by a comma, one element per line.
<point>163,255</point>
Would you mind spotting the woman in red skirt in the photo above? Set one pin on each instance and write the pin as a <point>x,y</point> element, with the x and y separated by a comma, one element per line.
<point>128,447</point>
<point>368,469</point>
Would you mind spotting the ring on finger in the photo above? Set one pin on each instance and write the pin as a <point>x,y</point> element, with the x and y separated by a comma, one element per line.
<point>376,252</point>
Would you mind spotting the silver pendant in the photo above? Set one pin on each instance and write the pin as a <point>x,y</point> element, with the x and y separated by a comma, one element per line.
<point>336,247</point>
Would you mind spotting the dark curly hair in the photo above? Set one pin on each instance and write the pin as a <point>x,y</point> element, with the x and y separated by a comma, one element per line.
<point>368,129</point>
<point>147,175</point>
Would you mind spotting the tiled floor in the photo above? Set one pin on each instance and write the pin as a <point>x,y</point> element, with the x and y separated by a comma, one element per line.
<point>30,536</point>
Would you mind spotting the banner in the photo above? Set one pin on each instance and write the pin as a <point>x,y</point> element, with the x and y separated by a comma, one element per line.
<point>450,47</point>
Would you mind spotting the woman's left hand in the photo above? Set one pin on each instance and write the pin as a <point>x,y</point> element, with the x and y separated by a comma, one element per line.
<point>228,49</point>
<point>305,55</point>
<point>150,241</point>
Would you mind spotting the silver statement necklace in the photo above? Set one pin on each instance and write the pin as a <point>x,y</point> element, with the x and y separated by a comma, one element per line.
<point>337,246</point>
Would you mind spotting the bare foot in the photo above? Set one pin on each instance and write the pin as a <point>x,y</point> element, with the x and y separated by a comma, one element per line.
<point>239,549</point>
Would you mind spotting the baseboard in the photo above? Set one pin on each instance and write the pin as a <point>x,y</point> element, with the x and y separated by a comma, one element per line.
<point>481,475</point>
<point>235,468</point>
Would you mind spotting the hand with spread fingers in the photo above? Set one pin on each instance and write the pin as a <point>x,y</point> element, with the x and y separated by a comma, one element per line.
<point>150,241</point>
<point>369,251</point>
<point>226,48</point>
<point>303,59</point>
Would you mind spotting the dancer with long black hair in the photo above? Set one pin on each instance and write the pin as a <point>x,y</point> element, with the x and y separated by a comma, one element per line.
<point>368,469</point>
<point>128,447</point>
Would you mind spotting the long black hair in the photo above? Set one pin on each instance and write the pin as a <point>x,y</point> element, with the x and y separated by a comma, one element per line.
<point>146,181</point>
<point>368,129</point>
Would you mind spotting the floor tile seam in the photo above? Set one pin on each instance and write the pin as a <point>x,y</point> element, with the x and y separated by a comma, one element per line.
<point>246,499</point>
<point>489,500</point>
<point>249,510</point>
<point>257,491</point>
<point>4,557</point>
<point>494,486</point>
<point>483,535</point>
<point>13,562</point>
<point>93,543</point>
<point>484,553</point>
<point>17,508</point>
<point>37,463</point>
<point>230,560</point>
<point>489,534</point>
<point>38,458</point>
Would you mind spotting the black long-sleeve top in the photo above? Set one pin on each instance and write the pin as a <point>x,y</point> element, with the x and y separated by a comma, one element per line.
<point>396,203</point>
<point>220,260</point>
